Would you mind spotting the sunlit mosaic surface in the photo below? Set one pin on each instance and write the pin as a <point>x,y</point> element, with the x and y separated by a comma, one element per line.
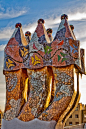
<point>42,51</point>
<point>39,72</point>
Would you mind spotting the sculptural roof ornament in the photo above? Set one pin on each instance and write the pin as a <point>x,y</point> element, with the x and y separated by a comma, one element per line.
<point>64,16</point>
<point>27,33</point>
<point>18,25</point>
<point>49,30</point>
<point>40,50</point>
<point>72,27</point>
<point>42,70</point>
<point>41,21</point>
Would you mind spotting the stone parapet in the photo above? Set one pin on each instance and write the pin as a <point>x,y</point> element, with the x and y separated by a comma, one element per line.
<point>34,124</point>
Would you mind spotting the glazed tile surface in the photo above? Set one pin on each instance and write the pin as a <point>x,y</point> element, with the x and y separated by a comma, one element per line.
<point>64,90</point>
<point>63,50</point>
<point>39,90</point>
<point>39,72</point>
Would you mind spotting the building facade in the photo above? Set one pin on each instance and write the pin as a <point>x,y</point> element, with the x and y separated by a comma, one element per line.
<point>84,115</point>
<point>78,116</point>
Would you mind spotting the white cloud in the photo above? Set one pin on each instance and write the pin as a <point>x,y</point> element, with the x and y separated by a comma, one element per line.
<point>11,13</point>
<point>6,33</point>
<point>30,27</point>
<point>2,47</point>
<point>52,22</point>
<point>80,31</point>
<point>77,16</point>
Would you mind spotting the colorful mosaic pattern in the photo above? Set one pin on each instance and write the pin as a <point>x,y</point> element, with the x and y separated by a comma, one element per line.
<point>15,83</point>
<point>28,36</point>
<point>13,95</point>
<point>49,32</point>
<point>82,55</point>
<point>11,82</point>
<point>42,49</point>
<point>64,90</point>
<point>39,96</point>
<point>14,111</point>
<point>40,72</point>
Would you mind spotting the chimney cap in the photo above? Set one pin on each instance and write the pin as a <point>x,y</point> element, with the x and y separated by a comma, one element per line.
<point>72,27</point>
<point>64,16</point>
<point>27,33</point>
<point>41,21</point>
<point>18,25</point>
<point>49,30</point>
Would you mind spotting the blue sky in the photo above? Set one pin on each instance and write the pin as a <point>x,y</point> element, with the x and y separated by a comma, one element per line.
<point>28,12</point>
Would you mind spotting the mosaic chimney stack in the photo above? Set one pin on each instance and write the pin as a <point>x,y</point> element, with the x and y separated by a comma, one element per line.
<point>42,76</point>
<point>14,83</point>
<point>28,36</point>
<point>49,32</point>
